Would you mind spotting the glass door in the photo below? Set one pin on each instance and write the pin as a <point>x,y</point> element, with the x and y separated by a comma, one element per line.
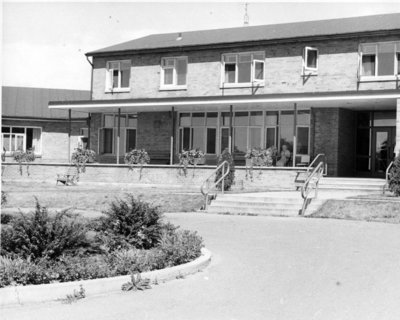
<point>382,149</point>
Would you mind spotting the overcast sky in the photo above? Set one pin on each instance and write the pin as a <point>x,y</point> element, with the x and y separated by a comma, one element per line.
<point>43,44</point>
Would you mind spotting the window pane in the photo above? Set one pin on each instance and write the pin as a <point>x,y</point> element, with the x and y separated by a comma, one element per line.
<point>230,58</point>
<point>398,62</point>
<point>115,78</point>
<point>198,138</point>
<point>368,48</point>
<point>256,118</point>
<point>385,119</point>
<point>113,65</point>
<point>302,140</point>
<point>181,67</point>
<point>169,62</point>
<point>184,119</point>
<point>125,76</point>
<point>230,73</point>
<point>6,141</point>
<point>168,76</point>
<point>5,129</point>
<point>303,117</point>
<point>211,140</point>
<point>18,130</point>
<point>255,138</point>
<point>184,139</point>
<point>244,70</point>
<point>271,137</point>
<point>312,59</point>
<point>368,65</point>
<point>225,118</point>
<point>224,138</point>
<point>107,140</point>
<point>286,129</point>
<point>130,139</point>
<point>212,118</point>
<point>245,57</point>
<point>198,118</point>
<point>19,142</point>
<point>258,70</point>
<point>29,138</point>
<point>132,120</point>
<point>240,140</point>
<point>125,65</point>
<point>109,120</point>
<point>385,59</point>
<point>241,119</point>
<point>272,118</point>
<point>258,56</point>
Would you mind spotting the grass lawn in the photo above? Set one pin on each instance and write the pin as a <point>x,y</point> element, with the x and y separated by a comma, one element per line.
<point>374,208</point>
<point>96,197</point>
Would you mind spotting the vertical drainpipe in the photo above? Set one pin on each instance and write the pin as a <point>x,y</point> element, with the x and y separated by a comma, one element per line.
<point>294,134</point>
<point>171,157</point>
<point>69,135</point>
<point>230,128</point>
<point>118,133</point>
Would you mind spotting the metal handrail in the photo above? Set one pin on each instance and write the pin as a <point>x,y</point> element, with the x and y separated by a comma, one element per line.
<point>311,184</point>
<point>206,183</point>
<point>387,174</point>
<point>319,155</point>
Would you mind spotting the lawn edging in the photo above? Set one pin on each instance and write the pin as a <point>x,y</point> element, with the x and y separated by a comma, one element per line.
<point>19,295</point>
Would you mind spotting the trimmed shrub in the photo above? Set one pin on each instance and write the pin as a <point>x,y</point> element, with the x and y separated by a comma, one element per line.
<point>130,223</point>
<point>38,234</point>
<point>394,181</point>
<point>230,178</point>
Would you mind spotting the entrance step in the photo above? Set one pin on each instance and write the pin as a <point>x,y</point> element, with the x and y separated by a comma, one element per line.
<point>352,184</point>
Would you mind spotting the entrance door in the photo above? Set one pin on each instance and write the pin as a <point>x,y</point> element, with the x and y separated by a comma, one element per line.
<point>383,141</point>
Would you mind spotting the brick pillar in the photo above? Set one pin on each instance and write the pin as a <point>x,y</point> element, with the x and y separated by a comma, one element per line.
<point>397,147</point>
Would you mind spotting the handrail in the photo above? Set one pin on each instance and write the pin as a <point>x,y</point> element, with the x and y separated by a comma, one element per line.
<point>206,183</point>
<point>387,174</point>
<point>311,184</point>
<point>319,155</point>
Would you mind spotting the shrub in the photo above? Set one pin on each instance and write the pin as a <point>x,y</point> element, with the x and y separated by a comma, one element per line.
<point>194,157</point>
<point>6,218</point>
<point>130,223</point>
<point>3,198</point>
<point>230,178</point>
<point>394,181</point>
<point>137,156</point>
<point>80,157</point>
<point>24,157</point>
<point>38,234</point>
<point>127,261</point>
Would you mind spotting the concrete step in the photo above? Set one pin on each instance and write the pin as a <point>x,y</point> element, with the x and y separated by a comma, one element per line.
<point>263,200</point>
<point>246,204</point>
<point>253,211</point>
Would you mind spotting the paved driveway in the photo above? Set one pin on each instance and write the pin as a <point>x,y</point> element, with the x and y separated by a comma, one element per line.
<point>264,268</point>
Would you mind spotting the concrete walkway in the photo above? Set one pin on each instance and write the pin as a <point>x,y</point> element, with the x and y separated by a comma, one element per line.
<point>264,268</point>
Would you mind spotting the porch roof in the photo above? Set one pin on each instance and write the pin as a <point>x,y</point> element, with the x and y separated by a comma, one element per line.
<point>372,99</point>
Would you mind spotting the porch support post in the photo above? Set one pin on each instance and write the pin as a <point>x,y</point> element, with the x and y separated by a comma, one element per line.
<point>230,128</point>
<point>397,147</point>
<point>118,133</point>
<point>69,135</point>
<point>171,156</point>
<point>294,134</point>
<point>89,123</point>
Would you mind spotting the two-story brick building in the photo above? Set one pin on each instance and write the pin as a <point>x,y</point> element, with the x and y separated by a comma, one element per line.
<point>329,86</point>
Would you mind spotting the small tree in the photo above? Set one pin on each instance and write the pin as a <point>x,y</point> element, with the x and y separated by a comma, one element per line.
<point>137,156</point>
<point>24,157</point>
<point>394,180</point>
<point>80,157</point>
<point>230,178</point>
<point>193,157</point>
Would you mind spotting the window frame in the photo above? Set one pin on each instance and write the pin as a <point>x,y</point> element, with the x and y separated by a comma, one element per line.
<point>174,85</point>
<point>236,84</point>
<point>109,77</point>
<point>9,152</point>
<point>377,77</point>
<point>308,70</point>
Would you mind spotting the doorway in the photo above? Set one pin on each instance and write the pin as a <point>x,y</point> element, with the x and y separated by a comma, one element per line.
<point>383,142</point>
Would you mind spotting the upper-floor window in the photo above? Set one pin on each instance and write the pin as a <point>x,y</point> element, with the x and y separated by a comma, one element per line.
<point>173,73</point>
<point>242,69</point>
<point>379,60</point>
<point>310,60</point>
<point>118,75</point>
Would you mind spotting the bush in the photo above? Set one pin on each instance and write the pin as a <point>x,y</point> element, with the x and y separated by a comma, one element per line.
<point>130,223</point>
<point>394,181</point>
<point>3,198</point>
<point>38,234</point>
<point>24,157</point>
<point>230,178</point>
<point>80,157</point>
<point>6,218</point>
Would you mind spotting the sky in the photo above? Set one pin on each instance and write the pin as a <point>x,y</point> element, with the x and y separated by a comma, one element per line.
<point>43,43</point>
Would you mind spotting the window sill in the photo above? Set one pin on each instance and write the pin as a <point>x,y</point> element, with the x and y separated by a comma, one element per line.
<point>307,73</point>
<point>118,90</point>
<point>378,78</point>
<point>242,85</point>
<point>172,88</point>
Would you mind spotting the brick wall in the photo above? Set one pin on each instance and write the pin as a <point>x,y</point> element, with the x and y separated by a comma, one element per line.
<point>338,64</point>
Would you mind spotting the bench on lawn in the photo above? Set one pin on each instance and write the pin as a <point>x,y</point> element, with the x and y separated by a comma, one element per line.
<point>70,177</point>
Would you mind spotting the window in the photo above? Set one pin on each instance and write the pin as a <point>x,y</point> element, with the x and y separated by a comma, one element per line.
<point>240,69</point>
<point>173,73</point>
<point>310,61</point>
<point>379,60</point>
<point>108,133</point>
<point>398,61</point>
<point>21,138</point>
<point>118,76</point>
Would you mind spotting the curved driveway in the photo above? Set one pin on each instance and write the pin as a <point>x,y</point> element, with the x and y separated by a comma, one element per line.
<point>264,268</point>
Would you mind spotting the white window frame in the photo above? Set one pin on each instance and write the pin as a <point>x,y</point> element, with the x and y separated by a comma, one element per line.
<point>174,85</point>
<point>109,77</point>
<point>236,84</point>
<point>307,70</point>
<point>8,153</point>
<point>376,77</point>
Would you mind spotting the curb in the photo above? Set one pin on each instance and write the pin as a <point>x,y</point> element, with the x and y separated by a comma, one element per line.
<point>20,295</point>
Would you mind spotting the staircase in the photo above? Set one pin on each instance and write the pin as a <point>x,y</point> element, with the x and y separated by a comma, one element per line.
<point>359,185</point>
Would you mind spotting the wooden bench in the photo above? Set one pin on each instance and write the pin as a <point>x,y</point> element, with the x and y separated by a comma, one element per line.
<point>70,177</point>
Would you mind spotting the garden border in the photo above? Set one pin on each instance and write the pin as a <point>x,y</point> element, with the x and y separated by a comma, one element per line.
<point>19,295</point>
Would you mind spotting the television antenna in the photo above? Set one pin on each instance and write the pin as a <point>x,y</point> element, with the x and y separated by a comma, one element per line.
<point>246,16</point>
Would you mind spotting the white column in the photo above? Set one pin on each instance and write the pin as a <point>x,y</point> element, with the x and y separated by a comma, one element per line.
<point>397,147</point>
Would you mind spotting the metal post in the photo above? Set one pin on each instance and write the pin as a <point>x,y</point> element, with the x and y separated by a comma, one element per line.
<point>89,120</point>
<point>69,135</point>
<point>171,156</point>
<point>294,134</point>
<point>118,133</point>
<point>223,179</point>
<point>230,128</point>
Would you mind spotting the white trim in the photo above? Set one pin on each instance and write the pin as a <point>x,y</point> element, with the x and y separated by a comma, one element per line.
<point>37,153</point>
<point>109,77</point>
<point>308,70</point>
<point>174,85</point>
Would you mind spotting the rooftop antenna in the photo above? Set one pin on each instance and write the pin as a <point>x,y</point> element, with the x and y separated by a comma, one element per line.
<point>246,16</point>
